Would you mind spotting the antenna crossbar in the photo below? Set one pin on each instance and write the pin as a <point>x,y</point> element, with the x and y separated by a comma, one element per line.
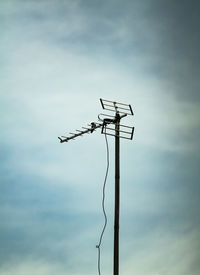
<point>94,126</point>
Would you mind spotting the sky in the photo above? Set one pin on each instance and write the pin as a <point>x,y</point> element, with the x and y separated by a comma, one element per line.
<point>58,58</point>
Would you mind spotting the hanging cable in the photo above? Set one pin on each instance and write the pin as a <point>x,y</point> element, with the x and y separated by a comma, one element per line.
<point>103,207</point>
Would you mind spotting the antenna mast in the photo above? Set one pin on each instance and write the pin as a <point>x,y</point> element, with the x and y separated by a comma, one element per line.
<point>110,125</point>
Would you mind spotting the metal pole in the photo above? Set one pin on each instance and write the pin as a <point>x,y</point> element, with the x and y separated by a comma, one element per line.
<point>117,197</point>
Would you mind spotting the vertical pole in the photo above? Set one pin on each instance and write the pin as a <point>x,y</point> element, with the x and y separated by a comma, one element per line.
<point>117,197</point>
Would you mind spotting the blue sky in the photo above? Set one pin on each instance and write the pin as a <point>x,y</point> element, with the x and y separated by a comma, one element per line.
<point>57,59</point>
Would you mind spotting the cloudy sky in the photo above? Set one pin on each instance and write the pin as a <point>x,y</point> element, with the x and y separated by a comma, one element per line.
<point>57,59</point>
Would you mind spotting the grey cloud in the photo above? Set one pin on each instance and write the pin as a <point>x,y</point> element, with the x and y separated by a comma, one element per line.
<point>60,59</point>
<point>37,223</point>
<point>176,24</point>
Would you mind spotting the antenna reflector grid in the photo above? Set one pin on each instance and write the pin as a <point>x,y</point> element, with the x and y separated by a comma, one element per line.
<point>125,132</point>
<point>116,106</point>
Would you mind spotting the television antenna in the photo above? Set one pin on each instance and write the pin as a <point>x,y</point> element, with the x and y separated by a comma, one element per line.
<point>110,125</point>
